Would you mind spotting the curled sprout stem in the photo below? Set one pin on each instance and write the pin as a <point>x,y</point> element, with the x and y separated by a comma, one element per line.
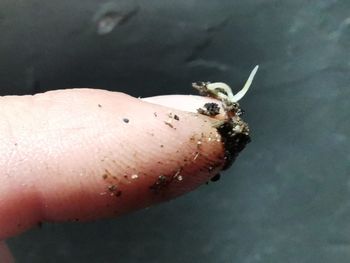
<point>223,91</point>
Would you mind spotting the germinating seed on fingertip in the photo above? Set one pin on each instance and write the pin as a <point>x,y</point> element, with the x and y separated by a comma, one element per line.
<point>233,130</point>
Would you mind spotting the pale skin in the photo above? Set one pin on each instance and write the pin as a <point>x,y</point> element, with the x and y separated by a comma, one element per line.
<point>84,154</point>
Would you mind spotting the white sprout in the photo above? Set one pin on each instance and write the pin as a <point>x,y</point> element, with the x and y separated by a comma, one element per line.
<point>224,92</point>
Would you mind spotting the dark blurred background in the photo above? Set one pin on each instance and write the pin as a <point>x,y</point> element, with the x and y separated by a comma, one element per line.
<point>286,199</point>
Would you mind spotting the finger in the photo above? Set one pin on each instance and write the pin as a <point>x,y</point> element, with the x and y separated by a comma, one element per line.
<point>85,154</point>
<point>5,254</point>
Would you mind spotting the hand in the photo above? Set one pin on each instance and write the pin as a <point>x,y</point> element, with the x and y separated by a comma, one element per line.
<point>86,154</point>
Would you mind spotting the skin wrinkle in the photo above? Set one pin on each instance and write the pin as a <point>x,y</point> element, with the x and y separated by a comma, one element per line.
<point>59,169</point>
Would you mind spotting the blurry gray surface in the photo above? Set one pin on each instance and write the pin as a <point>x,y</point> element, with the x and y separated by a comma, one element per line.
<point>287,198</point>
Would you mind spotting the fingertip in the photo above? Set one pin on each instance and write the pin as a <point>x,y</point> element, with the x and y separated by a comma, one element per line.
<point>110,154</point>
<point>80,155</point>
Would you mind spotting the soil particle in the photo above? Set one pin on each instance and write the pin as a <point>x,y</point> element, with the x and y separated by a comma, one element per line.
<point>112,188</point>
<point>134,176</point>
<point>215,178</point>
<point>235,136</point>
<point>106,175</point>
<point>209,109</point>
<point>178,175</point>
<point>196,156</point>
<point>169,123</point>
<point>114,191</point>
<point>234,132</point>
<point>161,183</point>
<point>170,119</point>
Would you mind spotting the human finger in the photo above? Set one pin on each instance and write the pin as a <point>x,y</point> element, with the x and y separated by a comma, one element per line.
<point>85,154</point>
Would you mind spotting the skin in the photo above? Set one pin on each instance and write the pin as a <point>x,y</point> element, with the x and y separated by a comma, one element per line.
<point>84,154</point>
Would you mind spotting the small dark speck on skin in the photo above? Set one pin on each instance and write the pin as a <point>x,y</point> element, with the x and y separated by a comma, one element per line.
<point>161,183</point>
<point>215,178</point>
<point>161,145</point>
<point>99,105</point>
<point>169,124</point>
<point>209,109</point>
<point>112,188</point>
<point>15,143</point>
<point>104,176</point>
<point>125,120</point>
<point>155,114</point>
<point>176,117</point>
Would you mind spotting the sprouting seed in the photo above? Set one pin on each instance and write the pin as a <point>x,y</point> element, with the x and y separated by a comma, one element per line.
<point>234,132</point>
<point>222,91</point>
